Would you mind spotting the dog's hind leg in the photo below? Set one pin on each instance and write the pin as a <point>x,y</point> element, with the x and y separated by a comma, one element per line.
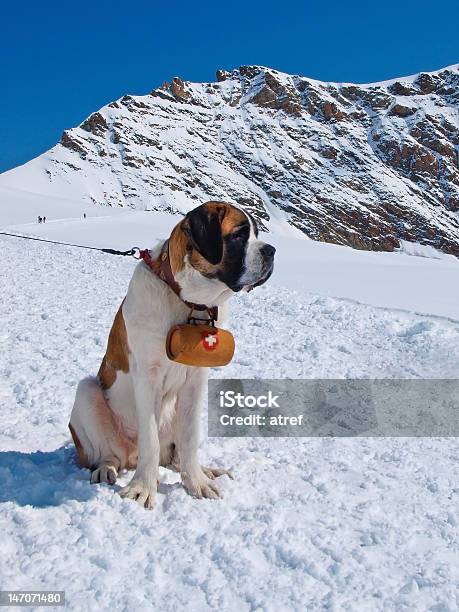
<point>106,472</point>
<point>100,442</point>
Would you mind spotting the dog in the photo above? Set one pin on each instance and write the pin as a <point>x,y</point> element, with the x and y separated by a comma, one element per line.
<point>143,410</point>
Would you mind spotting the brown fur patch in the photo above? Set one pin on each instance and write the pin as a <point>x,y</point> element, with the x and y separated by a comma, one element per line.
<point>233,217</point>
<point>178,244</point>
<point>79,447</point>
<point>201,264</point>
<point>117,354</point>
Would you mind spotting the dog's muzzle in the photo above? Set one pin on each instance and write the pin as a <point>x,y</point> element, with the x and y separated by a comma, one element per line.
<point>267,251</point>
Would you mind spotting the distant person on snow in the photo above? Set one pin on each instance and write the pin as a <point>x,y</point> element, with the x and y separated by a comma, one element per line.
<point>39,219</point>
<point>84,215</point>
<point>44,219</point>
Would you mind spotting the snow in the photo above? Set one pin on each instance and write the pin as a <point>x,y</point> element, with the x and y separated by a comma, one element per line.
<point>425,282</point>
<point>339,524</point>
<point>411,78</point>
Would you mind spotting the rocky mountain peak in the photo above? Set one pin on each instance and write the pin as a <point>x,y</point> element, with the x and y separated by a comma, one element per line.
<point>363,165</point>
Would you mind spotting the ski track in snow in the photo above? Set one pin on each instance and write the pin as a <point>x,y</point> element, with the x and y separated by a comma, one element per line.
<point>339,524</point>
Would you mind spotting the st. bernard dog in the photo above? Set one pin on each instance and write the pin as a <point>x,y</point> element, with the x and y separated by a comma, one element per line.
<point>143,410</point>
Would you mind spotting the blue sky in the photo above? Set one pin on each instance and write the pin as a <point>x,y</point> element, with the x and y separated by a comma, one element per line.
<point>60,61</point>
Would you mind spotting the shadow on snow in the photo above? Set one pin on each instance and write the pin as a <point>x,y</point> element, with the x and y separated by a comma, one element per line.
<point>43,479</point>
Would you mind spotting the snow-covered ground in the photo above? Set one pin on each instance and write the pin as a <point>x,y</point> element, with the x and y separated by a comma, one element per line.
<point>338,524</point>
<point>419,279</point>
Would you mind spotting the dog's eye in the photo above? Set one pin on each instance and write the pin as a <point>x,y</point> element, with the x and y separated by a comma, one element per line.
<point>239,235</point>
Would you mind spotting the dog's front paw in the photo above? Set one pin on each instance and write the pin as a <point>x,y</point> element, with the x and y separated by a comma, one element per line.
<point>140,491</point>
<point>200,486</point>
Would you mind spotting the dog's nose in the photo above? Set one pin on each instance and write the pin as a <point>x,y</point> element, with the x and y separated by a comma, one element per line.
<point>267,250</point>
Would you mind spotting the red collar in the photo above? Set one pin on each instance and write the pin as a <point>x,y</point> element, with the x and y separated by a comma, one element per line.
<point>162,268</point>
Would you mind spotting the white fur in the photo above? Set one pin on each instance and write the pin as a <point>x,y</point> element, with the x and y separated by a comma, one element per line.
<point>158,401</point>
<point>254,262</point>
<point>156,405</point>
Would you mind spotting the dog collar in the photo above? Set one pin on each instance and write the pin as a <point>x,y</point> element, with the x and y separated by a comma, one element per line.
<point>162,268</point>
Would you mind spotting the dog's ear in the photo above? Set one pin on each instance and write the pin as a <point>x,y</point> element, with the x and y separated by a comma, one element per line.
<point>203,227</point>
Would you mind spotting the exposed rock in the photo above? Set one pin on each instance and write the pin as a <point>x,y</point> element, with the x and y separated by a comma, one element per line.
<point>409,157</point>
<point>179,91</point>
<point>424,161</point>
<point>433,142</point>
<point>329,152</point>
<point>249,71</point>
<point>450,131</point>
<point>380,101</point>
<point>331,111</point>
<point>265,97</point>
<point>222,75</point>
<point>426,83</point>
<point>274,94</point>
<point>165,94</point>
<point>95,124</point>
<point>71,142</point>
<point>374,98</point>
<point>401,89</point>
<point>398,110</point>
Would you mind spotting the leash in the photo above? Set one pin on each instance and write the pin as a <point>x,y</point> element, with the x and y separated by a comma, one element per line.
<point>161,267</point>
<point>130,253</point>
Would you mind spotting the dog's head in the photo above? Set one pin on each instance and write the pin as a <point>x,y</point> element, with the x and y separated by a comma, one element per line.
<point>221,242</point>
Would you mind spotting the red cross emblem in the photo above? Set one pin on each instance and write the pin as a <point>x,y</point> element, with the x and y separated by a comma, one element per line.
<point>209,340</point>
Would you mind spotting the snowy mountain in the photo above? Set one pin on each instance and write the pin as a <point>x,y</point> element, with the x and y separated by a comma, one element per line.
<point>362,165</point>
